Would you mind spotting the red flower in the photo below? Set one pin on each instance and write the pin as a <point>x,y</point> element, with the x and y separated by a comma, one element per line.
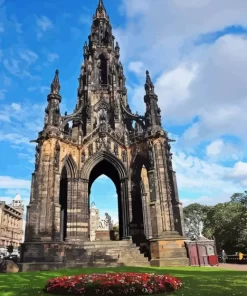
<point>113,284</point>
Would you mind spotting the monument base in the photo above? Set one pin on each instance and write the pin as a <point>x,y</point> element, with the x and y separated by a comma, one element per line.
<point>37,256</point>
<point>102,235</point>
<point>169,250</point>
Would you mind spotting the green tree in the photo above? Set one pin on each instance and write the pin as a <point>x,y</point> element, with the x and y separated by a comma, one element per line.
<point>227,223</point>
<point>194,218</point>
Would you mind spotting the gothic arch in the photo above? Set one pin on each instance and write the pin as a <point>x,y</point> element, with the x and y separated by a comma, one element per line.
<point>100,156</point>
<point>70,165</point>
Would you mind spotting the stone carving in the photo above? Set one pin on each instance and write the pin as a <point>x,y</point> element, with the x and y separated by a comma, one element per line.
<point>124,156</point>
<point>98,144</point>
<point>108,144</point>
<point>83,157</point>
<point>150,155</point>
<point>105,224</point>
<point>37,157</point>
<point>88,110</point>
<point>116,149</point>
<point>90,150</point>
<point>57,156</point>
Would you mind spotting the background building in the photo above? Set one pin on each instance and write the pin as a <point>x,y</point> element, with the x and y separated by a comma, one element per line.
<point>11,222</point>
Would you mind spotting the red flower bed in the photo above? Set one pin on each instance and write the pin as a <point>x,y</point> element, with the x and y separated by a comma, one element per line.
<point>113,284</point>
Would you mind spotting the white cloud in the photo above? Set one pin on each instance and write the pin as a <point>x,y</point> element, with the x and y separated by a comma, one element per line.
<point>52,57</point>
<point>43,24</point>
<point>16,107</point>
<point>161,28</point>
<point>210,182</point>
<point>219,150</point>
<point>215,148</point>
<point>14,138</point>
<point>239,172</point>
<point>28,56</point>
<point>136,67</point>
<point>7,182</point>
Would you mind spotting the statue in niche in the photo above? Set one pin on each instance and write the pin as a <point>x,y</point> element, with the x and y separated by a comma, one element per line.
<point>57,156</point>
<point>88,110</point>
<point>98,144</point>
<point>66,128</point>
<point>102,116</point>
<point>90,150</point>
<point>158,111</point>
<point>99,64</point>
<point>108,144</point>
<point>116,149</point>
<point>37,156</point>
<point>124,156</point>
<point>83,157</point>
<point>46,119</point>
<point>150,155</point>
<point>170,160</point>
<point>95,122</point>
<point>116,110</point>
<point>56,116</point>
<point>147,119</point>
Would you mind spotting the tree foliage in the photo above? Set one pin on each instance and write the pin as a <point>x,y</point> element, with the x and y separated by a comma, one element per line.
<point>227,223</point>
<point>194,218</point>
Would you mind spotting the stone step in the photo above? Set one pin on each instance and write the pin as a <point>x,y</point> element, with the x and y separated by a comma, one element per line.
<point>183,261</point>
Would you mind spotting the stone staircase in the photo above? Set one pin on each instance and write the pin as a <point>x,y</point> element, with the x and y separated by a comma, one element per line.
<point>110,254</point>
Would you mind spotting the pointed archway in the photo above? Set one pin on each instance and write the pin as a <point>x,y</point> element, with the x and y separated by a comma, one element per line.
<point>68,173</point>
<point>106,163</point>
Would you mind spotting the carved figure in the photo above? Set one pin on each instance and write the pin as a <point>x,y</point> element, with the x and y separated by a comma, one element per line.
<point>116,149</point>
<point>83,157</point>
<point>37,157</point>
<point>90,150</point>
<point>97,144</point>
<point>124,156</point>
<point>150,155</point>
<point>57,156</point>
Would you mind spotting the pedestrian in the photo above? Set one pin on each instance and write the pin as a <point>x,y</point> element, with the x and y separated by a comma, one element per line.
<point>223,256</point>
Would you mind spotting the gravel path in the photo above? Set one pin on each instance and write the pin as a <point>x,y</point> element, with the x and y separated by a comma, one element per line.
<point>241,267</point>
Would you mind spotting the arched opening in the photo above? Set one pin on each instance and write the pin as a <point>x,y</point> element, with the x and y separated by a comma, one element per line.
<point>102,70</point>
<point>63,201</point>
<point>138,203</point>
<point>103,200</point>
<point>105,170</point>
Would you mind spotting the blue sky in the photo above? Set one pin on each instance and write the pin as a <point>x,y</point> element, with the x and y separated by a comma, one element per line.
<point>196,53</point>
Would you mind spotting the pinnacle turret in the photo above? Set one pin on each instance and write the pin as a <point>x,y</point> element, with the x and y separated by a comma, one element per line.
<point>149,86</point>
<point>55,86</point>
<point>101,11</point>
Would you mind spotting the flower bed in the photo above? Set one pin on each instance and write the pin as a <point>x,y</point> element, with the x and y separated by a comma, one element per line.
<point>113,284</point>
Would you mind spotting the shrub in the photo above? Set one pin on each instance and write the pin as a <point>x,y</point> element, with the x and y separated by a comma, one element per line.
<point>113,284</point>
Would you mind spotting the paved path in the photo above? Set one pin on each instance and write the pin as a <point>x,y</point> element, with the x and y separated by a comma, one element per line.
<point>241,267</point>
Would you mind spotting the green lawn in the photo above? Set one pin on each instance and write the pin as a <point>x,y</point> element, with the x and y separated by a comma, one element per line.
<point>196,281</point>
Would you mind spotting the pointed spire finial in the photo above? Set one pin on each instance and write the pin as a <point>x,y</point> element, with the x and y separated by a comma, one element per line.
<point>55,86</point>
<point>149,87</point>
<point>101,11</point>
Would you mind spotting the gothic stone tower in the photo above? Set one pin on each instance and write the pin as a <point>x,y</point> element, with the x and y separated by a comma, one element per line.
<point>103,136</point>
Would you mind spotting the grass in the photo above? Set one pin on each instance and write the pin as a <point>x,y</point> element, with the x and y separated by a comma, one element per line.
<point>196,281</point>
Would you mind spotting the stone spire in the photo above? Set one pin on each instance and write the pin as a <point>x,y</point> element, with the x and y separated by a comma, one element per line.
<point>101,11</point>
<point>149,87</point>
<point>55,85</point>
<point>52,111</point>
<point>152,115</point>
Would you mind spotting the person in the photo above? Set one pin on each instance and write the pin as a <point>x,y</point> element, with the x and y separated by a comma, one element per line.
<point>223,256</point>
